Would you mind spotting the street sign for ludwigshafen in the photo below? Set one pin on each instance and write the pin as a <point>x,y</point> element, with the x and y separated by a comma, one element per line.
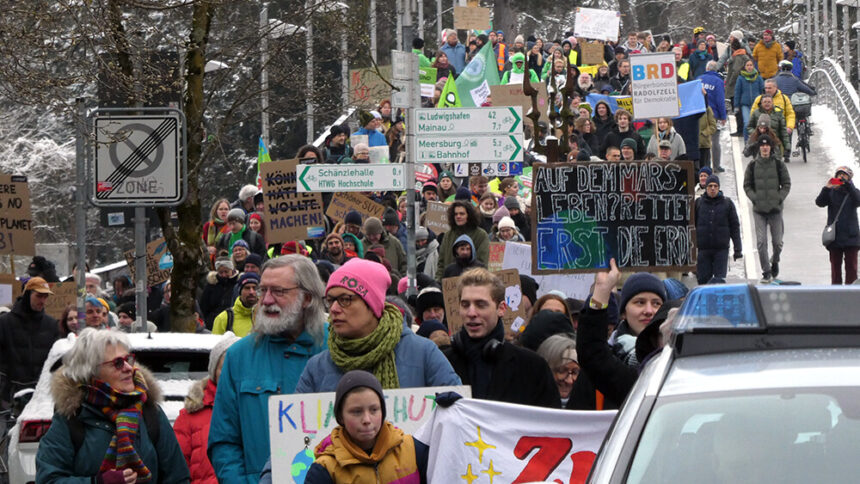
<point>361,177</point>
<point>139,158</point>
<point>469,134</point>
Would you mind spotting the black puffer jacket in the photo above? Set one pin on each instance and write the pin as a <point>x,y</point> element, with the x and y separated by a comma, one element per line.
<point>847,231</point>
<point>26,338</point>
<point>217,296</point>
<point>717,223</point>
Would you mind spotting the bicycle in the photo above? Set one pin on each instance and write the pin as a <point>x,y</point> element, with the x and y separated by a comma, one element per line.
<point>802,104</point>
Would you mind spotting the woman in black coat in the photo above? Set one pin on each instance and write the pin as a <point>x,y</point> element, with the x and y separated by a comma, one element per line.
<point>840,189</point>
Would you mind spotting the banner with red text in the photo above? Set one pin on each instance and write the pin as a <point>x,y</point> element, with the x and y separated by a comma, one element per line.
<point>485,441</point>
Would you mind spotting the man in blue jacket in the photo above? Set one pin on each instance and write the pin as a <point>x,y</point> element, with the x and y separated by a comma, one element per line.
<point>369,334</point>
<point>370,123</point>
<point>715,96</point>
<point>455,51</point>
<point>289,329</point>
<point>716,224</point>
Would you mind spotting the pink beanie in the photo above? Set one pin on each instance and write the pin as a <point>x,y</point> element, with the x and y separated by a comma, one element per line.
<point>367,279</point>
<point>402,285</point>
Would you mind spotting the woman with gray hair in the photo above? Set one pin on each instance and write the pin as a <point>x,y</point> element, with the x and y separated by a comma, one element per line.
<point>107,427</point>
<point>559,351</point>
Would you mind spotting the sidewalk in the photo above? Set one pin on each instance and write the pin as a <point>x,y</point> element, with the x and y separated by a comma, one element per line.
<point>803,259</point>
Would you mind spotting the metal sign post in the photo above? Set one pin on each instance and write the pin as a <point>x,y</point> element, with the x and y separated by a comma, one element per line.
<point>364,177</point>
<point>140,161</point>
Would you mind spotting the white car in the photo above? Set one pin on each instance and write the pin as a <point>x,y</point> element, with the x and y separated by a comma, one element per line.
<point>177,360</point>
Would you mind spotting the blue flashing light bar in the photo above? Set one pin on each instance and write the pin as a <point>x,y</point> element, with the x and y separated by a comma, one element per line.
<point>718,306</point>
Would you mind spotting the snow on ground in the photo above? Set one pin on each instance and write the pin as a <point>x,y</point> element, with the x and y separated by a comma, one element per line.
<point>831,137</point>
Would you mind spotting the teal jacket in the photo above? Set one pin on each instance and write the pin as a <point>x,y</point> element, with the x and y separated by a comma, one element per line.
<point>56,462</point>
<point>255,368</point>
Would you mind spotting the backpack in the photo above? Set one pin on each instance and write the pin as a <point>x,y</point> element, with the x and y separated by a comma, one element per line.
<point>150,418</point>
<point>230,317</point>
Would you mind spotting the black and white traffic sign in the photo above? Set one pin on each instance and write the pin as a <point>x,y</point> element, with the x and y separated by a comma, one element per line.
<point>138,158</point>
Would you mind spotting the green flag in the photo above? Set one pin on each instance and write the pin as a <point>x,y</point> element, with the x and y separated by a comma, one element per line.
<point>475,81</point>
<point>449,98</point>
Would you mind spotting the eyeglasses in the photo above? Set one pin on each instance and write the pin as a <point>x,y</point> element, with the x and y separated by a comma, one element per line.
<point>276,291</point>
<point>344,300</point>
<point>120,361</point>
<point>564,373</point>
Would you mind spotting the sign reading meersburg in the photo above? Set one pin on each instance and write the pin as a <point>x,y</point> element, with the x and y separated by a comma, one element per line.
<point>640,213</point>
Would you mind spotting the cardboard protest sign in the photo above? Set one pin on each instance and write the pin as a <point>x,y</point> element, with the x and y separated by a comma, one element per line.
<point>512,95</point>
<point>159,262</point>
<point>497,255</point>
<point>427,81</point>
<point>436,217</point>
<point>640,213</point>
<point>513,443</point>
<point>366,87</point>
<point>10,289</point>
<point>721,49</point>
<point>289,215</point>
<point>466,18</point>
<point>592,53</point>
<point>16,219</point>
<point>655,88</point>
<point>342,202</point>
<point>357,139</point>
<point>298,422</point>
<point>614,102</point>
<point>514,317</point>
<point>518,255</point>
<point>597,24</point>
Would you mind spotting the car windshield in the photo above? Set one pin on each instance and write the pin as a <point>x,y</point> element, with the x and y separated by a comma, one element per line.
<point>175,365</point>
<point>784,435</point>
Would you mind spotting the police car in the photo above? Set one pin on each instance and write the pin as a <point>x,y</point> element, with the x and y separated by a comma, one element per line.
<point>758,384</point>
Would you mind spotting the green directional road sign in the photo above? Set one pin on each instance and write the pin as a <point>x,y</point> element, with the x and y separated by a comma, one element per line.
<point>463,121</point>
<point>351,178</point>
<point>469,148</point>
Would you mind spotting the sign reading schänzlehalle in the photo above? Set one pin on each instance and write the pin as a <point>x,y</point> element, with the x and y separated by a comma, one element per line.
<point>289,215</point>
<point>655,89</point>
<point>640,213</point>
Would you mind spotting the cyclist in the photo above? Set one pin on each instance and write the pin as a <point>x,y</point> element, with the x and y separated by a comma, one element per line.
<point>789,84</point>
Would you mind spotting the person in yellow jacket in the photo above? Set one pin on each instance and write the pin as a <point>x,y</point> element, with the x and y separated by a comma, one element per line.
<point>364,447</point>
<point>767,54</point>
<point>240,318</point>
<point>783,102</point>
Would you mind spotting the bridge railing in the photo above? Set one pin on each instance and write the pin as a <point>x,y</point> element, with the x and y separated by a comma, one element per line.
<point>836,91</point>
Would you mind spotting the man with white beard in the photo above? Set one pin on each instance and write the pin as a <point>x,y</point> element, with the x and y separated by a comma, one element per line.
<point>288,331</point>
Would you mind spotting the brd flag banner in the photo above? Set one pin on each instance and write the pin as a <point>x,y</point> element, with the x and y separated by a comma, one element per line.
<point>494,442</point>
<point>298,422</point>
<point>654,83</point>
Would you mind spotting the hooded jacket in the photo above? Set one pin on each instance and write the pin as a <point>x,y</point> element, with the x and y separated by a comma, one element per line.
<point>717,223</point>
<point>519,70</point>
<point>604,126</point>
<point>192,430</point>
<point>396,458</point>
<point>255,241</point>
<point>698,61</point>
<point>767,183</point>
<point>716,93</point>
<point>58,464</point>
<point>777,124</point>
<point>479,238</point>
<point>243,320</point>
<point>457,267</point>
<point>767,56</point>
<point>26,338</point>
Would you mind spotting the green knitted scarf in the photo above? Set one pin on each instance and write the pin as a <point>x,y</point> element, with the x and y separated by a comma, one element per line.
<point>374,352</point>
<point>750,75</point>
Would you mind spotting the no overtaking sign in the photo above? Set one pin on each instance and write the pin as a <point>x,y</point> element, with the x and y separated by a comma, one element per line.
<point>139,159</point>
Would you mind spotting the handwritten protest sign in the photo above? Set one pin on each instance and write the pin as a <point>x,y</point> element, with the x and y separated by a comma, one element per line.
<point>655,88</point>
<point>466,18</point>
<point>297,423</point>
<point>512,95</point>
<point>513,443</point>
<point>592,53</point>
<point>436,217</point>
<point>289,215</point>
<point>16,220</point>
<point>427,80</point>
<point>514,317</point>
<point>596,24</point>
<point>518,255</point>
<point>366,87</point>
<point>342,202</point>
<point>159,262</point>
<point>640,213</point>
<point>497,254</point>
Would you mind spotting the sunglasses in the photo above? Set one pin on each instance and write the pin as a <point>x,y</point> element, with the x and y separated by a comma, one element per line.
<point>120,361</point>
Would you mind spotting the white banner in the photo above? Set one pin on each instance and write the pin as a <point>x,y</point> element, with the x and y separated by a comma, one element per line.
<point>592,23</point>
<point>655,87</point>
<point>486,442</point>
<point>297,423</point>
<point>518,256</point>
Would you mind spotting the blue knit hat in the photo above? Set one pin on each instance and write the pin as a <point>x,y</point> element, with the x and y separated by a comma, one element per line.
<point>248,278</point>
<point>463,193</point>
<point>712,179</point>
<point>641,282</point>
<point>352,217</point>
<point>706,169</point>
<point>240,243</point>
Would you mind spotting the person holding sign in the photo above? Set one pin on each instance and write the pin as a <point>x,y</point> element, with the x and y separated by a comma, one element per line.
<point>364,447</point>
<point>496,369</point>
<point>367,333</point>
